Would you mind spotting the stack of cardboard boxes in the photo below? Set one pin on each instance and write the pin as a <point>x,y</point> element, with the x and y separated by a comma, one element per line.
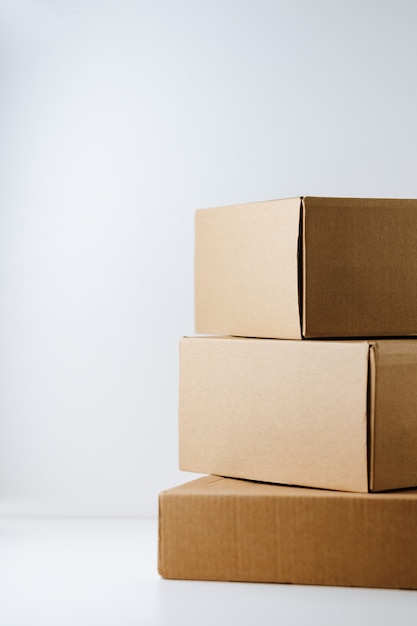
<point>304,410</point>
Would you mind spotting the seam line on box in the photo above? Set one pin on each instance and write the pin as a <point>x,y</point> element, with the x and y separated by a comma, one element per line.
<point>300,266</point>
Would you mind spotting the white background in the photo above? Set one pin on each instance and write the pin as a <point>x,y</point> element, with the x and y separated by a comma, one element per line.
<point>117,120</point>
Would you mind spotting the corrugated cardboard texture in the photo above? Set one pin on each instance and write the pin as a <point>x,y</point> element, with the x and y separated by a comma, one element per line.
<point>360,267</point>
<point>224,529</point>
<point>394,440</point>
<point>279,411</point>
<point>246,269</point>
<point>356,273</point>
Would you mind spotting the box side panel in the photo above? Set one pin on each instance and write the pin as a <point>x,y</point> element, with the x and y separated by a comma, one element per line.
<point>360,267</point>
<point>246,270</point>
<point>276,411</point>
<point>359,540</point>
<point>394,455</point>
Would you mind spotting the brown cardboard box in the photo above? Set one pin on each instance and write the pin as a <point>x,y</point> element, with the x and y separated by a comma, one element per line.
<point>225,529</point>
<point>307,267</point>
<point>331,414</point>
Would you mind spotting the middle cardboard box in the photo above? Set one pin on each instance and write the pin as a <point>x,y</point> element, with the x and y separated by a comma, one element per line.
<point>336,415</point>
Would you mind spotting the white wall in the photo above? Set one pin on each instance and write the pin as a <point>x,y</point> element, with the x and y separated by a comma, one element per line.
<point>117,119</point>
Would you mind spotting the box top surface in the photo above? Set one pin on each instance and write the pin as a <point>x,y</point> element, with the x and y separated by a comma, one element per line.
<point>395,346</point>
<point>218,486</point>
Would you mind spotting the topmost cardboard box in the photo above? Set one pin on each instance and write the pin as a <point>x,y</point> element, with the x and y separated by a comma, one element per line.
<point>307,267</point>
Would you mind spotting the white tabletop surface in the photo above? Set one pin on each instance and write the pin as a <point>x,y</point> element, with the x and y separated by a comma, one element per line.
<point>91,571</point>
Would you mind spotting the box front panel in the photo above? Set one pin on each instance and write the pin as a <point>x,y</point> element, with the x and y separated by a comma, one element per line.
<point>267,533</point>
<point>360,267</point>
<point>279,411</point>
<point>246,270</point>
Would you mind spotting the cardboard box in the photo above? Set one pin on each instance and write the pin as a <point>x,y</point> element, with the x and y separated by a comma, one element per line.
<point>225,529</point>
<point>330,414</point>
<point>307,267</point>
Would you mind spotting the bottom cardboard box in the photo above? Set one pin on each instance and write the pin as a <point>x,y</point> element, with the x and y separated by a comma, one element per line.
<point>235,530</point>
